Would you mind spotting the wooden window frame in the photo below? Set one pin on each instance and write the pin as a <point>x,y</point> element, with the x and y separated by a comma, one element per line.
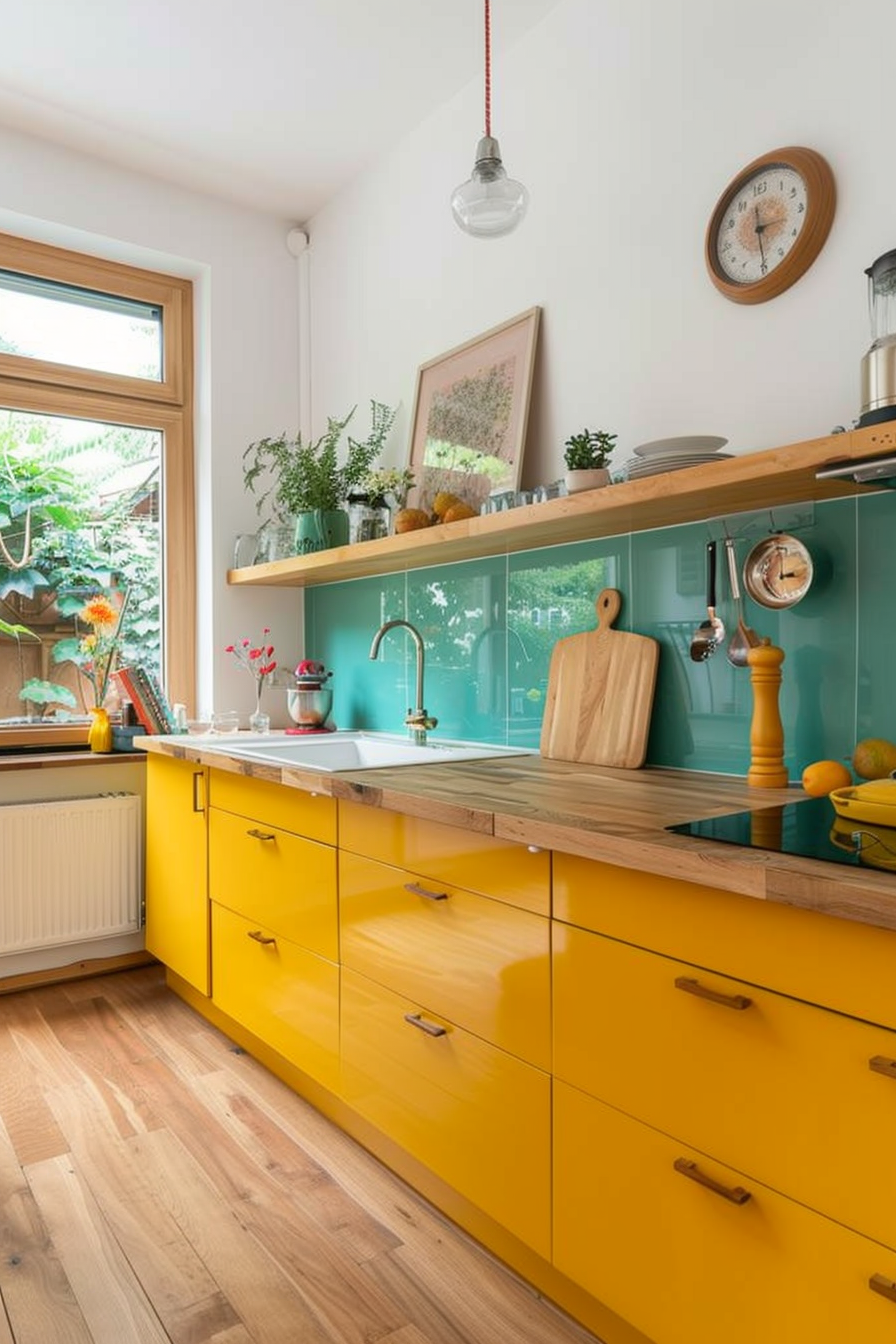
<point>42,387</point>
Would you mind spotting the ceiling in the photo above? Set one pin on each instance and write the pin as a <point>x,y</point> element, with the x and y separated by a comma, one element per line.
<point>274,104</point>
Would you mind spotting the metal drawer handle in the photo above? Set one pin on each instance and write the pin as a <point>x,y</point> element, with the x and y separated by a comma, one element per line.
<point>260,937</point>
<point>416,890</point>
<point>880,1064</point>
<point>886,1287</point>
<point>261,835</point>
<point>735,1193</point>
<point>431,1028</point>
<point>737,1001</point>
<point>198,805</point>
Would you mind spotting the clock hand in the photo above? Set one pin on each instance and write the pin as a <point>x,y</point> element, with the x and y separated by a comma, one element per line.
<point>760,229</point>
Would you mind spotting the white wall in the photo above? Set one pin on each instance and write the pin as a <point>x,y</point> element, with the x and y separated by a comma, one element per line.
<point>246,356</point>
<point>626,119</point>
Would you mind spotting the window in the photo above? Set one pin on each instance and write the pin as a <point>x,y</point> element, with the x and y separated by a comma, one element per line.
<point>96,476</point>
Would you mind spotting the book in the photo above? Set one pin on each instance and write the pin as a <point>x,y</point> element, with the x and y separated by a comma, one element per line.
<point>122,678</point>
<point>149,700</point>
<point>152,691</point>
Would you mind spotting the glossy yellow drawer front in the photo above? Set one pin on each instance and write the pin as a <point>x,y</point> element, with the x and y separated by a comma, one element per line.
<point>775,1087</point>
<point>484,964</point>
<point>497,868</point>
<point>685,1264</point>
<point>177,915</point>
<point>280,879</point>
<point>815,957</point>
<point>475,1115</point>
<point>289,809</point>
<point>286,996</point>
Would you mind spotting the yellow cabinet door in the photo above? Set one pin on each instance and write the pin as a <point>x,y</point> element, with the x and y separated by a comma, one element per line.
<point>636,1226</point>
<point>473,1114</point>
<point>282,880</point>
<point>837,963</point>
<point>484,964</point>
<point>309,814</point>
<point>502,869</point>
<point>177,917</point>
<point>778,1088</point>
<point>286,996</point>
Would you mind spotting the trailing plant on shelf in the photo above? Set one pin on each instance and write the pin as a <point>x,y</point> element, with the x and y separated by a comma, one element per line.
<point>307,476</point>
<point>589,450</point>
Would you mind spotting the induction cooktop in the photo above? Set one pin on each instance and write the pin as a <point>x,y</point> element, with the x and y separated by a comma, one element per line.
<point>808,827</point>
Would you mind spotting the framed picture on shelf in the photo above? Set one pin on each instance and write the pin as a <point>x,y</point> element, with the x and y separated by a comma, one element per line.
<point>471,408</point>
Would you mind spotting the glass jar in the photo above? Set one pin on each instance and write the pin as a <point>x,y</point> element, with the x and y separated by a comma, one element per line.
<point>368,519</point>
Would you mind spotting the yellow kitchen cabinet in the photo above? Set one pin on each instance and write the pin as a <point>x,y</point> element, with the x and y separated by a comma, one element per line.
<point>792,1094</point>
<point>284,880</point>
<point>285,995</point>
<point>310,814</point>
<point>838,963</point>
<point>478,961</point>
<point>275,938</point>
<point>476,1116</point>
<point>501,869</point>
<point>177,914</point>
<point>664,1236</point>
<point>445,1019</point>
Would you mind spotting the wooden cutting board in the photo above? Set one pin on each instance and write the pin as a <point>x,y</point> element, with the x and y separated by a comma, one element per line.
<point>600,693</point>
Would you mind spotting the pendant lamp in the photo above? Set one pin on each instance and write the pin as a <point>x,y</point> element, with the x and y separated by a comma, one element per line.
<point>490,203</point>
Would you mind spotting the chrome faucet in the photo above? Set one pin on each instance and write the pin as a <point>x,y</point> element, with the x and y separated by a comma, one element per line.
<point>417,719</point>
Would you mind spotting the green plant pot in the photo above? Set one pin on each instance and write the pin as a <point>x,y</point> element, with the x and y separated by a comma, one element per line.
<point>320,529</point>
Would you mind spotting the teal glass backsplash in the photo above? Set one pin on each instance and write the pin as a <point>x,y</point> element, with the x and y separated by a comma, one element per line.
<point>489,627</point>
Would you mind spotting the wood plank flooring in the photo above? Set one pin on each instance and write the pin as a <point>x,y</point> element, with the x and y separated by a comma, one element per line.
<point>159,1186</point>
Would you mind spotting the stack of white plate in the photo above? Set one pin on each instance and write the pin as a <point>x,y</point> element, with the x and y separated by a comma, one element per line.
<point>672,454</point>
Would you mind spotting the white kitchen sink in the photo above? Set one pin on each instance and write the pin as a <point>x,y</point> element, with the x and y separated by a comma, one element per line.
<point>350,750</point>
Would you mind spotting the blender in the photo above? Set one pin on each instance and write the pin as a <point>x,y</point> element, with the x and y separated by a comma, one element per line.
<point>879,364</point>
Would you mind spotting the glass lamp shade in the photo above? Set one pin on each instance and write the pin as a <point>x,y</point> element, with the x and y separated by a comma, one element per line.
<point>490,203</point>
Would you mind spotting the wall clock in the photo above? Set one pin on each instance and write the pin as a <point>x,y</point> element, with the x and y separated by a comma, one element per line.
<point>769,224</point>
<point>778,572</point>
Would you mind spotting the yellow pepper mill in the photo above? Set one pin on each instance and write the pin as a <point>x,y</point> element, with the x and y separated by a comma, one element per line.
<point>767,768</point>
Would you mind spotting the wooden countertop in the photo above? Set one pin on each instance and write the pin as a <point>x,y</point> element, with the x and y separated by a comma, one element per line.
<point>617,816</point>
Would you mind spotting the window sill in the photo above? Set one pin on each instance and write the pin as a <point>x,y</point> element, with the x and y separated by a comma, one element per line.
<point>42,760</point>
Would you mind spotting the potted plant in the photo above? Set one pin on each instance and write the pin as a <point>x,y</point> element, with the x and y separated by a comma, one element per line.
<point>308,483</point>
<point>586,456</point>
<point>370,508</point>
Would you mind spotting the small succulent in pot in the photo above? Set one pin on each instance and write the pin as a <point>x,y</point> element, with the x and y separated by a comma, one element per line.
<point>591,449</point>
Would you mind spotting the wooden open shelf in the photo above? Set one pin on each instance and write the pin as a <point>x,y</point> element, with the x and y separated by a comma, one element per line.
<point>740,484</point>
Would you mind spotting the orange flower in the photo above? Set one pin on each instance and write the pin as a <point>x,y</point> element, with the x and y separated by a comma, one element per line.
<point>99,612</point>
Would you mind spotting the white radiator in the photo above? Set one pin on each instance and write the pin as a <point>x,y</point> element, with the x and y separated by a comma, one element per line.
<point>70,869</point>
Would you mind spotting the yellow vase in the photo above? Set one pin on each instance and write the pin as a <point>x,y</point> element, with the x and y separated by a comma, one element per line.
<point>99,738</point>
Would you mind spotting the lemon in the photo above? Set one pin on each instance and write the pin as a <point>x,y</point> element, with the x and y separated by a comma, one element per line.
<point>458,511</point>
<point>821,777</point>
<point>874,758</point>
<point>444,501</point>
<point>411,520</point>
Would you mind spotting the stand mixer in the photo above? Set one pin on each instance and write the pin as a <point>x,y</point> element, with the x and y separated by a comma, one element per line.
<point>310,701</point>
<point>879,364</point>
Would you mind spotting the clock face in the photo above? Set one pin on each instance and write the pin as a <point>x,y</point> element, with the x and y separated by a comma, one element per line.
<point>769,224</point>
<point>778,572</point>
<point>761,223</point>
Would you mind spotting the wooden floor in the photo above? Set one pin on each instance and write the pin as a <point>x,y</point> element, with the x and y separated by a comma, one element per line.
<point>157,1184</point>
